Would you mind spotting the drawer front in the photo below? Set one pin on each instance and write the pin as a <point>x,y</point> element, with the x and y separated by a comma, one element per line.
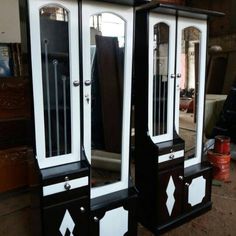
<point>70,218</point>
<point>170,156</point>
<point>65,186</point>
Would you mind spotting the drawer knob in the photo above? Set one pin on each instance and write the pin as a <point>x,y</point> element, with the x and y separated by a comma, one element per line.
<point>82,209</point>
<point>172,157</point>
<point>187,184</point>
<point>95,219</point>
<point>67,186</point>
<point>76,83</point>
<point>87,82</point>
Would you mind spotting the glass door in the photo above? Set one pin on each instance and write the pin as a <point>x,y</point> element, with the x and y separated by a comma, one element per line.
<point>107,66</point>
<point>190,86</point>
<point>55,70</point>
<point>161,76</point>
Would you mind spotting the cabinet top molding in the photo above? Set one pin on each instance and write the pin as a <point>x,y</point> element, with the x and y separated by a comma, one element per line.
<point>178,10</point>
<point>123,2</point>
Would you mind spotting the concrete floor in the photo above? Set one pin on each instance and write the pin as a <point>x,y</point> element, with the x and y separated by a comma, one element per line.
<point>221,220</point>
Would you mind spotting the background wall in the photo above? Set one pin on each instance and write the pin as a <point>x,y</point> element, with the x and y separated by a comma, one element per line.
<point>9,22</point>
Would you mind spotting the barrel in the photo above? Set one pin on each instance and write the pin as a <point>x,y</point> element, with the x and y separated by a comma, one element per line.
<point>221,165</point>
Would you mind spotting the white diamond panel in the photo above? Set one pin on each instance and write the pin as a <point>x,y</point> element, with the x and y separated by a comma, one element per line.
<point>170,195</point>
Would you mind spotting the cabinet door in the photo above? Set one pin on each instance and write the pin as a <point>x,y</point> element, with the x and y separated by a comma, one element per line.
<point>69,218</point>
<point>197,190</point>
<point>170,194</point>
<point>55,70</point>
<point>190,85</point>
<point>161,76</point>
<point>107,63</point>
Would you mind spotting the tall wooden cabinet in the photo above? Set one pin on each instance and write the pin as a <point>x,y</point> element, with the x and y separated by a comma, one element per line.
<point>81,63</point>
<point>174,183</point>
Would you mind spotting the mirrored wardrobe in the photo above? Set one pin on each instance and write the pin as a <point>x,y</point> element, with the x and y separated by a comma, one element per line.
<point>81,63</point>
<point>173,181</point>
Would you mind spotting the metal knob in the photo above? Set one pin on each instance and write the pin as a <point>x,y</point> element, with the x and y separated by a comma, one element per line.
<point>95,219</point>
<point>87,82</point>
<point>67,186</point>
<point>82,209</point>
<point>187,184</point>
<point>179,75</point>
<point>172,157</point>
<point>181,177</point>
<point>173,76</point>
<point>76,83</point>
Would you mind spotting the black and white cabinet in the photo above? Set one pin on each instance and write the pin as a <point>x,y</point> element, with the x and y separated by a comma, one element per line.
<point>174,183</point>
<point>81,62</point>
<point>107,44</point>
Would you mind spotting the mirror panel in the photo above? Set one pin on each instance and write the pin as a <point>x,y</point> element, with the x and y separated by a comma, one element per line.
<point>160,78</point>
<point>107,47</point>
<point>189,85</point>
<point>54,30</point>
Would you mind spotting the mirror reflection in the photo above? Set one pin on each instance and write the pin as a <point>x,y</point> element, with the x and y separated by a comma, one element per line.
<point>160,78</point>
<point>107,46</point>
<point>189,89</point>
<point>56,79</point>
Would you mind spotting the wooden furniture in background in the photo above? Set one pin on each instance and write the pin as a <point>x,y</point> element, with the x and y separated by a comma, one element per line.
<point>15,132</point>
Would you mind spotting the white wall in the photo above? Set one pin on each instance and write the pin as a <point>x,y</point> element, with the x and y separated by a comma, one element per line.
<point>9,21</point>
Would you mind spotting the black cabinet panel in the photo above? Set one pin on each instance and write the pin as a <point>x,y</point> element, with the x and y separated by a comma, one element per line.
<point>170,192</point>
<point>197,188</point>
<point>72,216</point>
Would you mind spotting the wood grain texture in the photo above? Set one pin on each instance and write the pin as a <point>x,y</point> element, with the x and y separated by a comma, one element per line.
<point>14,168</point>
<point>15,99</point>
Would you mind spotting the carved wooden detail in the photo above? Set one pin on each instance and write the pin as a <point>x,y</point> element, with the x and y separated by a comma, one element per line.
<point>14,98</point>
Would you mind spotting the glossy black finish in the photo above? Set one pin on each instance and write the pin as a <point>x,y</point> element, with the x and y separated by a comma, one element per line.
<point>204,169</point>
<point>126,198</point>
<point>125,2</point>
<point>57,174</point>
<point>53,217</point>
<point>179,10</point>
<point>152,177</point>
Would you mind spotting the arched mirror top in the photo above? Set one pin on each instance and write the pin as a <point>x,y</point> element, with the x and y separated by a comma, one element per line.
<point>54,12</point>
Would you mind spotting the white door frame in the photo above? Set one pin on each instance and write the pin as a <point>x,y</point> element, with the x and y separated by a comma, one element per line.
<point>202,26</point>
<point>90,8</point>
<point>34,8</point>
<point>154,19</point>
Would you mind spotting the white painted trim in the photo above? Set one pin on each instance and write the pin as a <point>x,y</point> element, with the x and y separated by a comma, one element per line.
<point>167,157</point>
<point>72,7</point>
<point>202,26</point>
<point>90,8</point>
<point>114,222</point>
<point>170,21</point>
<point>197,191</point>
<point>58,188</point>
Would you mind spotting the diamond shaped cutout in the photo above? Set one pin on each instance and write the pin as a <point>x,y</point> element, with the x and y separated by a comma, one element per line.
<point>170,195</point>
<point>67,225</point>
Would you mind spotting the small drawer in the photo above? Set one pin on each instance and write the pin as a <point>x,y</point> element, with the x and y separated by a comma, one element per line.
<point>170,156</point>
<point>65,186</point>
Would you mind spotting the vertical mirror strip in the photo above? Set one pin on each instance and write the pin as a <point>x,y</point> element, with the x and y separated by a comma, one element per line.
<point>54,30</point>
<point>160,78</point>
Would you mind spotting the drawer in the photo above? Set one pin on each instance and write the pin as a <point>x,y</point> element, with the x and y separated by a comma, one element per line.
<point>65,186</point>
<point>170,156</point>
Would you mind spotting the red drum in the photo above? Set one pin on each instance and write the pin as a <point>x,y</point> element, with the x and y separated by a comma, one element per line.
<point>221,165</point>
<point>222,144</point>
